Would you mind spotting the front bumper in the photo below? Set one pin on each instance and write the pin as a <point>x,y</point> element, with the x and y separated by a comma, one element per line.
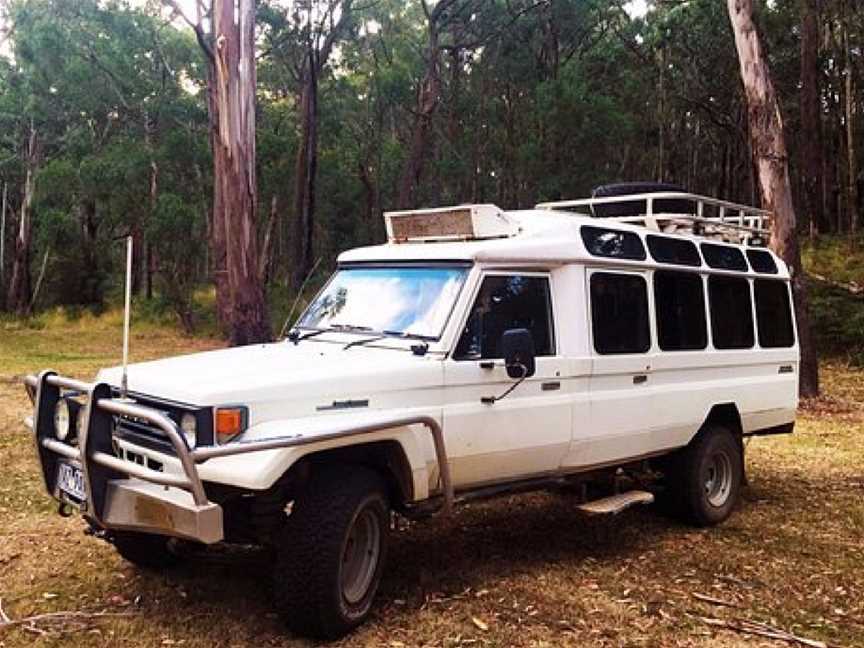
<point>125,495</point>
<point>120,494</point>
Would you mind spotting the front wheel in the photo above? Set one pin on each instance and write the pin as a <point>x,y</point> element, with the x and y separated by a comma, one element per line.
<point>331,552</point>
<point>145,550</point>
<point>708,476</point>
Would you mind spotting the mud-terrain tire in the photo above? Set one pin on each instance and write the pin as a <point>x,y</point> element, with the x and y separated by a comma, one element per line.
<point>331,552</point>
<point>145,550</point>
<point>705,477</point>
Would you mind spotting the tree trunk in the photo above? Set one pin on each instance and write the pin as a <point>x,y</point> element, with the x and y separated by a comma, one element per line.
<point>19,285</point>
<point>234,181</point>
<point>811,120</point>
<point>428,98</point>
<point>851,147</point>
<point>306,171</point>
<point>769,151</point>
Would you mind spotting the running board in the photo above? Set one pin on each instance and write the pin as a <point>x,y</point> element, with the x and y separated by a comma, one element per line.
<point>614,504</point>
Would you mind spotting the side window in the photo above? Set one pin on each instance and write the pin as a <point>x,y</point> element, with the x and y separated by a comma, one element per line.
<point>773,314</point>
<point>731,312</point>
<point>603,242</point>
<point>508,302</point>
<point>680,302</point>
<point>671,250</point>
<point>762,261</point>
<point>619,313</point>
<point>724,257</point>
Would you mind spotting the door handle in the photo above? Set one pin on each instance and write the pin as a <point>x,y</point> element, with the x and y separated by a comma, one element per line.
<point>550,386</point>
<point>640,379</point>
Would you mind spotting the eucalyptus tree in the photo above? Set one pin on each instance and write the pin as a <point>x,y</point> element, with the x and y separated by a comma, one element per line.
<point>226,35</point>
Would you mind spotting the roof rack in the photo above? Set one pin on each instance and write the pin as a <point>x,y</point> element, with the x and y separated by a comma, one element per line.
<point>704,216</point>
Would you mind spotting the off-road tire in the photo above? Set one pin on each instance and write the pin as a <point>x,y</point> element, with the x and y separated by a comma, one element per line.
<point>145,550</point>
<point>705,478</point>
<point>307,578</point>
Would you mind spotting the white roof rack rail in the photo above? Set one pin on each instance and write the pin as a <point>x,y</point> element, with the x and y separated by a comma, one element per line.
<point>709,218</point>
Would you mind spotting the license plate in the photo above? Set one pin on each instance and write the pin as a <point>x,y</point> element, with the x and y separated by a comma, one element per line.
<point>70,481</point>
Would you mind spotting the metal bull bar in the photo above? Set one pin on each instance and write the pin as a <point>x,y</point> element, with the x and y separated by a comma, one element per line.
<point>115,502</point>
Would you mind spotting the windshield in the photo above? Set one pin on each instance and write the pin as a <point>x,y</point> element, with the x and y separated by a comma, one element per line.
<point>412,301</point>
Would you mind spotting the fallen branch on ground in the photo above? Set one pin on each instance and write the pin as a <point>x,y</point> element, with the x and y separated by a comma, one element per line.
<point>713,601</point>
<point>851,287</point>
<point>54,618</point>
<point>746,626</point>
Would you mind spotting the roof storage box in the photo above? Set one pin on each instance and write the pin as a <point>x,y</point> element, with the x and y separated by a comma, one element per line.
<point>449,223</point>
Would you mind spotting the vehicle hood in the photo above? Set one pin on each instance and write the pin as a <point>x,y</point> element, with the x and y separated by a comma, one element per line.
<point>315,373</point>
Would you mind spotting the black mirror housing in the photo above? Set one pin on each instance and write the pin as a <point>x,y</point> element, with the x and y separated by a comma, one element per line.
<point>517,346</point>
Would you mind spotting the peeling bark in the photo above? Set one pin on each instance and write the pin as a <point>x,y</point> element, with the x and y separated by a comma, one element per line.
<point>235,183</point>
<point>772,162</point>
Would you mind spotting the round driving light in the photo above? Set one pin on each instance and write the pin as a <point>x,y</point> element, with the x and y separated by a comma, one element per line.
<point>189,427</point>
<point>61,419</point>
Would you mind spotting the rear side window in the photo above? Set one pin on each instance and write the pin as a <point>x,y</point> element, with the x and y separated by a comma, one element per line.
<point>762,261</point>
<point>603,242</point>
<point>773,314</point>
<point>731,312</point>
<point>619,313</point>
<point>679,299</point>
<point>671,250</point>
<point>507,302</point>
<point>724,257</point>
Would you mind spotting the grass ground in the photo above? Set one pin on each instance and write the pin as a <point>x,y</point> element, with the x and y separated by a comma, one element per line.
<point>521,571</point>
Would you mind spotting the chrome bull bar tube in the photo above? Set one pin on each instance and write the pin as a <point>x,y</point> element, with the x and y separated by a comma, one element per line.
<point>100,467</point>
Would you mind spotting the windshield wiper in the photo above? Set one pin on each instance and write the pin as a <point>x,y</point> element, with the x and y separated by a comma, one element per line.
<point>295,336</point>
<point>363,341</point>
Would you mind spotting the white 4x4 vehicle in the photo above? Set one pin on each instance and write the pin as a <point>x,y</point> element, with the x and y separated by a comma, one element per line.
<point>478,352</point>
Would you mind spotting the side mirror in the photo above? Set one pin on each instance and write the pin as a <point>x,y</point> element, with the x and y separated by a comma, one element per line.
<point>517,346</point>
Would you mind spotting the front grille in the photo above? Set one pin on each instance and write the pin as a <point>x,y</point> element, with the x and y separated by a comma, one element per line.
<point>149,436</point>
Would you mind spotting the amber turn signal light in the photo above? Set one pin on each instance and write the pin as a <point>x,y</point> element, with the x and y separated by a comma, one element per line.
<point>230,421</point>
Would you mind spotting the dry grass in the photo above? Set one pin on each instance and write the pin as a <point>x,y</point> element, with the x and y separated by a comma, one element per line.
<point>522,571</point>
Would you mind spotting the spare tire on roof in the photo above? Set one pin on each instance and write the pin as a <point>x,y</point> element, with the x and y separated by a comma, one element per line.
<point>639,207</point>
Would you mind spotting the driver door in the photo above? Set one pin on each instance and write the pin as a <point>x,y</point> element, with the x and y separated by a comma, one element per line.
<point>528,432</point>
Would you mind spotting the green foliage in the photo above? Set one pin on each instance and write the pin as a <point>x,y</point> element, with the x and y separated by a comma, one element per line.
<point>837,296</point>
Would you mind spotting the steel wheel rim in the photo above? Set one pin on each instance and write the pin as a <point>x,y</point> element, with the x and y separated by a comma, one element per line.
<point>360,556</point>
<point>718,479</point>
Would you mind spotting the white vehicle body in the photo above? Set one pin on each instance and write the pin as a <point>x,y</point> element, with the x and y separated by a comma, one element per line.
<point>581,411</point>
<point>597,417</point>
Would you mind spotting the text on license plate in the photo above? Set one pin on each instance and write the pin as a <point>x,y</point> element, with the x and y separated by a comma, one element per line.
<point>70,480</point>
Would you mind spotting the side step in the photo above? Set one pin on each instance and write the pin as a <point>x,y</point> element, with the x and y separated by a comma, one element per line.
<point>614,504</point>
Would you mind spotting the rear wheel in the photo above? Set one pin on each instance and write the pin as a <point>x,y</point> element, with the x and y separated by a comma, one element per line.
<point>331,552</point>
<point>705,478</point>
<point>145,550</point>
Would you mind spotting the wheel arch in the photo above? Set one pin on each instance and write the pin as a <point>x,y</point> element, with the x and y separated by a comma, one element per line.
<point>725,414</point>
<point>387,457</point>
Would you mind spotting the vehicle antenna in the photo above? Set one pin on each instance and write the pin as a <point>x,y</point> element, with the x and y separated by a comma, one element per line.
<point>127,314</point>
<point>297,298</point>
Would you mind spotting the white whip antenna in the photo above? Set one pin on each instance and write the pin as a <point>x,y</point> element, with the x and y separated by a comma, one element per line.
<point>127,315</point>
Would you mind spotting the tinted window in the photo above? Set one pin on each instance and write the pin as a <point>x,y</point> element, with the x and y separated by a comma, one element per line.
<point>612,243</point>
<point>670,250</point>
<point>619,313</point>
<point>680,303</point>
<point>773,314</point>
<point>503,303</point>
<point>762,261</point>
<point>724,257</point>
<point>731,312</point>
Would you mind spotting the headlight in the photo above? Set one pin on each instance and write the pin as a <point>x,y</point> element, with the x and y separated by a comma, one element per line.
<point>62,419</point>
<point>189,427</point>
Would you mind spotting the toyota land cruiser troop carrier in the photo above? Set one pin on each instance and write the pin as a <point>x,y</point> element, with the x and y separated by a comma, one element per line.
<point>622,346</point>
